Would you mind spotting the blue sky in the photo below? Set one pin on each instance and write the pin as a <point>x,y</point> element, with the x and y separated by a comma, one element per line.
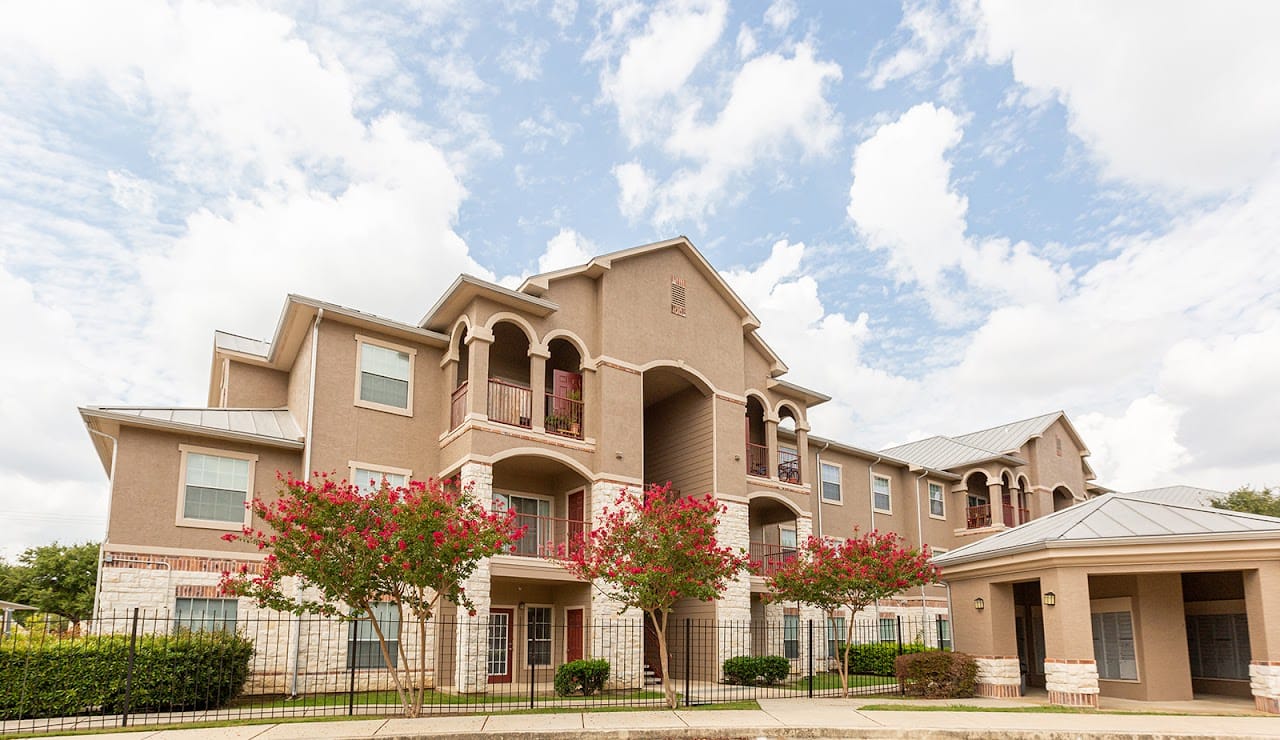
<point>947,215</point>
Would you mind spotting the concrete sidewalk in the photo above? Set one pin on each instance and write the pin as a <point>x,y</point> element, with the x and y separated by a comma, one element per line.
<point>780,718</point>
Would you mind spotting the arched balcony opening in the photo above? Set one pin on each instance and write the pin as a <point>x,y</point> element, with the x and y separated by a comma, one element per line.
<point>788,447</point>
<point>461,369</point>
<point>1062,498</point>
<point>549,499</point>
<point>773,534</point>
<point>757,439</point>
<point>562,387</point>
<point>1008,504</point>
<point>978,501</point>
<point>510,392</point>
<point>679,435</point>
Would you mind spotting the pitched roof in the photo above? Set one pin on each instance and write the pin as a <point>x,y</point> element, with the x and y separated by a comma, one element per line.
<point>1181,495</point>
<point>941,453</point>
<point>1113,517</point>
<point>243,345</point>
<point>275,427</point>
<point>1011,436</point>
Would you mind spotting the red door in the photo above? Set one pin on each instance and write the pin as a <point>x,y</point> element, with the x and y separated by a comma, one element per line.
<point>572,635</point>
<point>576,517</point>
<point>500,645</point>
<point>567,389</point>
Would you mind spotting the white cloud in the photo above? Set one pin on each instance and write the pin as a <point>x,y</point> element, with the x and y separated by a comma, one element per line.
<point>524,61</point>
<point>547,126</point>
<point>746,43</point>
<point>563,12</point>
<point>1139,447</point>
<point>927,31</point>
<point>635,189</point>
<point>567,248</point>
<point>780,14</point>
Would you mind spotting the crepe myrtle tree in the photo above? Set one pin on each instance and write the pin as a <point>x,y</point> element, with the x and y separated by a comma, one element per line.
<point>849,574</point>
<point>649,550</point>
<point>411,545</point>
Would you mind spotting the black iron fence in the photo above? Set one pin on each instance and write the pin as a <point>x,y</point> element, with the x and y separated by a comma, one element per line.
<point>209,663</point>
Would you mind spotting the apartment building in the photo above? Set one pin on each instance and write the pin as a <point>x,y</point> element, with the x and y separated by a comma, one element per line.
<point>640,366</point>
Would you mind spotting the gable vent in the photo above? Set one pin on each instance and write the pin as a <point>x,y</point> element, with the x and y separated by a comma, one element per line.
<point>678,305</point>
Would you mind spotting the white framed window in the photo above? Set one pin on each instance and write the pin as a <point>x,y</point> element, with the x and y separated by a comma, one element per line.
<point>787,537</point>
<point>836,636</point>
<point>205,615</point>
<point>384,376</point>
<point>1113,646</point>
<point>368,477</point>
<point>937,501</point>
<point>880,494</point>
<point>214,488</point>
<point>791,636</point>
<point>831,489</point>
<point>538,637</point>
<point>534,513</point>
<point>888,629</point>
<point>362,643</point>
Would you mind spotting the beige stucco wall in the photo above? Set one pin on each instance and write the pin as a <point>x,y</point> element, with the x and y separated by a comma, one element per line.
<point>253,387</point>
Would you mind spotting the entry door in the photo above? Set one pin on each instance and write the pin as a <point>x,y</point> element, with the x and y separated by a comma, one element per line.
<point>573,635</point>
<point>576,516</point>
<point>500,645</point>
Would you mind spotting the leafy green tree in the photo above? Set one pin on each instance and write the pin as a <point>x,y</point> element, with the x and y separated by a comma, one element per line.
<point>1263,501</point>
<point>58,579</point>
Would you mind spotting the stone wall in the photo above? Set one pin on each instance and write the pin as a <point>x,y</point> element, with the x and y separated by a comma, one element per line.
<point>621,642</point>
<point>1071,682</point>
<point>999,676</point>
<point>471,672</point>
<point>1264,681</point>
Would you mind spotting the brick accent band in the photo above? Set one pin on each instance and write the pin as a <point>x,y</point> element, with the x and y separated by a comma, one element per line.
<point>998,690</point>
<point>1268,704</point>
<point>197,592</point>
<point>1070,699</point>
<point>190,564</point>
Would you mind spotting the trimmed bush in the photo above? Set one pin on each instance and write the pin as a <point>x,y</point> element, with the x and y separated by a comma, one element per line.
<point>74,676</point>
<point>877,658</point>
<point>584,677</point>
<point>937,675</point>
<point>756,671</point>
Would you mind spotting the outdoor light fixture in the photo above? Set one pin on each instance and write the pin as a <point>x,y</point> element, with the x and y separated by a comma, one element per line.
<point>1050,599</point>
<point>520,606</point>
<point>979,604</point>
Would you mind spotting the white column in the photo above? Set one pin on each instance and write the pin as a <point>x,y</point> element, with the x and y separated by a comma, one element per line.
<point>470,668</point>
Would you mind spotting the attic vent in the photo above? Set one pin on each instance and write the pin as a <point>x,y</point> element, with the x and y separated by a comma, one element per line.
<point>677,296</point>
<point>1057,443</point>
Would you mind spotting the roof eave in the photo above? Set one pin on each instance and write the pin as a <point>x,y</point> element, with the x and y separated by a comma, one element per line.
<point>89,413</point>
<point>468,287</point>
<point>962,558</point>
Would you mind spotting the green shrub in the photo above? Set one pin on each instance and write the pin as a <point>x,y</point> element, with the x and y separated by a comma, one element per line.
<point>584,677</point>
<point>937,675</point>
<point>73,676</point>
<point>877,658</point>
<point>752,671</point>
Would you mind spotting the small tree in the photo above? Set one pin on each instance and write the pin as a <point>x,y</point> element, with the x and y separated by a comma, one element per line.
<point>852,574</point>
<point>58,579</point>
<point>412,545</point>
<point>651,550</point>
<point>1261,501</point>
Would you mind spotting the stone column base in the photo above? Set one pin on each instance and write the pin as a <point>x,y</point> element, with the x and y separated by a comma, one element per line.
<point>999,676</point>
<point>1264,680</point>
<point>1071,683</point>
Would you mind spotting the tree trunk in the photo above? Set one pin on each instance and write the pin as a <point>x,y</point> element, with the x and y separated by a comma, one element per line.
<point>848,646</point>
<point>405,704</point>
<point>660,626</point>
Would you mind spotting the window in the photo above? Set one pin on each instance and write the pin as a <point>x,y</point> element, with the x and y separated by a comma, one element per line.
<point>215,487</point>
<point>383,382</point>
<point>369,478</point>
<point>1218,645</point>
<point>1113,646</point>
<point>944,633</point>
<point>937,504</point>
<point>533,513</point>
<point>786,537</point>
<point>791,636</point>
<point>539,645</point>
<point>206,615</point>
<point>880,494</point>
<point>831,483</point>
<point>888,629</point>
<point>836,636</point>
<point>363,645</point>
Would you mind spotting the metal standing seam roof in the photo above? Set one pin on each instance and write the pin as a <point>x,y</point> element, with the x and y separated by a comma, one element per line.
<point>271,423</point>
<point>243,345</point>
<point>1009,437</point>
<point>940,453</point>
<point>1181,495</point>
<point>1108,518</point>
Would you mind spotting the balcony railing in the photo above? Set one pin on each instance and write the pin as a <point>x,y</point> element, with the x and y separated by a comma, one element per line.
<point>788,465</point>
<point>978,516</point>
<point>564,416</point>
<point>757,460</point>
<point>458,406</point>
<point>545,536</point>
<point>1013,515</point>
<point>770,557</point>
<point>510,403</point>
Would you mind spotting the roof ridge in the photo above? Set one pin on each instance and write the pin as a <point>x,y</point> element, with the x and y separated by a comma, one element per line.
<point>1011,423</point>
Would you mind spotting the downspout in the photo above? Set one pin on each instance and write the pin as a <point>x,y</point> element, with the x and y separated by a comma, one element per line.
<point>924,609</point>
<point>111,492</point>
<point>818,480</point>
<point>296,637</point>
<point>871,501</point>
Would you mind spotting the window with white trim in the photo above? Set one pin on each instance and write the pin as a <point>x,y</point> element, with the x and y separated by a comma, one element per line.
<point>539,635</point>
<point>836,636</point>
<point>215,487</point>
<point>831,483</point>
<point>1113,646</point>
<point>205,615</point>
<point>368,480</point>
<point>937,502</point>
<point>362,644</point>
<point>888,629</point>
<point>880,498</point>
<point>385,375</point>
<point>787,537</point>
<point>791,636</point>
<point>534,513</point>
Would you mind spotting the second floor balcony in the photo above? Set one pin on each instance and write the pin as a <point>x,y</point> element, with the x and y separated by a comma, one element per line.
<point>769,558</point>
<point>546,536</point>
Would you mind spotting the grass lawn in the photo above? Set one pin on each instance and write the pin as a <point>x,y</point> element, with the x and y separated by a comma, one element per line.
<point>827,681</point>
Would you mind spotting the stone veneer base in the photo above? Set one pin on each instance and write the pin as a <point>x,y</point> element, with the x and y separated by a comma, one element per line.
<point>999,676</point>
<point>1071,682</point>
<point>1264,681</point>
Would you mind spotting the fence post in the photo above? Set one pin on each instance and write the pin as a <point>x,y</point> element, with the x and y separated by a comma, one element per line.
<point>351,667</point>
<point>688,657</point>
<point>810,658</point>
<point>938,629</point>
<point>529,656</point>
<point>899,634</point>
<point>128,677</point>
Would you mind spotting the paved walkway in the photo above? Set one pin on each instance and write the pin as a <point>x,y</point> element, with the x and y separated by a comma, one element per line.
<point>776,718</point>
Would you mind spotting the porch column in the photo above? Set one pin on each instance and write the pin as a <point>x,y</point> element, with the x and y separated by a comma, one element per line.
<point>538,355</point>
<point>771,442</point>
<point>988,634</point>
<point>804,530</point>
<point>802,452</point>
<point>478,342</point>
<point>471,674</point>
<point>614,633</point>
<point>733,608</point>
<point>1262,605</point>
<point>589,393</point>
<point>1070,673</point>
<point>995,499</point>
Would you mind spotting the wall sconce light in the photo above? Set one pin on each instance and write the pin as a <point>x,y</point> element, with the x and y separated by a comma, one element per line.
<point>979,604</point>
<point>618,455</point>
<point>1050,599</point>
<point>520,606</point>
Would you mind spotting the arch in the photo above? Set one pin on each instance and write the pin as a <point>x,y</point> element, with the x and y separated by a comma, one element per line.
<point>763,399</point>
<point>1023,482</point>
<point>696,378</point>
<point>1063,497</point>
<point>776,498</point>
<point>516,319</point>
<point>802,424</point>
<point>559,457</point>
<point>573,339</point>
<point>985,474</point>
<point>1007,477</point>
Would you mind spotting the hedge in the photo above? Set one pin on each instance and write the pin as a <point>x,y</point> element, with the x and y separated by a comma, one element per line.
<point>938,675</point>
<point>80,675</point>
<point>752,671</point>
<point>877,658</point>
<point>584,677</point>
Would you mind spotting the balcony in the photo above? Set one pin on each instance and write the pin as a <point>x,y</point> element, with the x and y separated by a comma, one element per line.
<point>757,460</point>
<point>1013,515</point>
<point>564,416</point>
<point>977,517</point>
<point>510,404</point>
<point>788,465</point>
<point>458,406</point>
<point>545,536</point>
<point>770,557</point>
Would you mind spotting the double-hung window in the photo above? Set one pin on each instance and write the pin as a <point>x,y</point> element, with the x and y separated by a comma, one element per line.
<point>937,504</point>
<point>206,615</point>
<point>368,478</point>
<point>216,486</point>
<point>539,638</point>
<point>363,645</point>
<point>831,492</point>
<point>888,629</point>
<point>880,499</point>
<point>384,381</point>
<point>535,515</point>
<point>791,636</point>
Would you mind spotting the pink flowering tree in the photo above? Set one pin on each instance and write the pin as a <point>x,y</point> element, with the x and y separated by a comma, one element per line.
<point>832,575</point>
<point>649,550</point>
<point>411,545</point>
